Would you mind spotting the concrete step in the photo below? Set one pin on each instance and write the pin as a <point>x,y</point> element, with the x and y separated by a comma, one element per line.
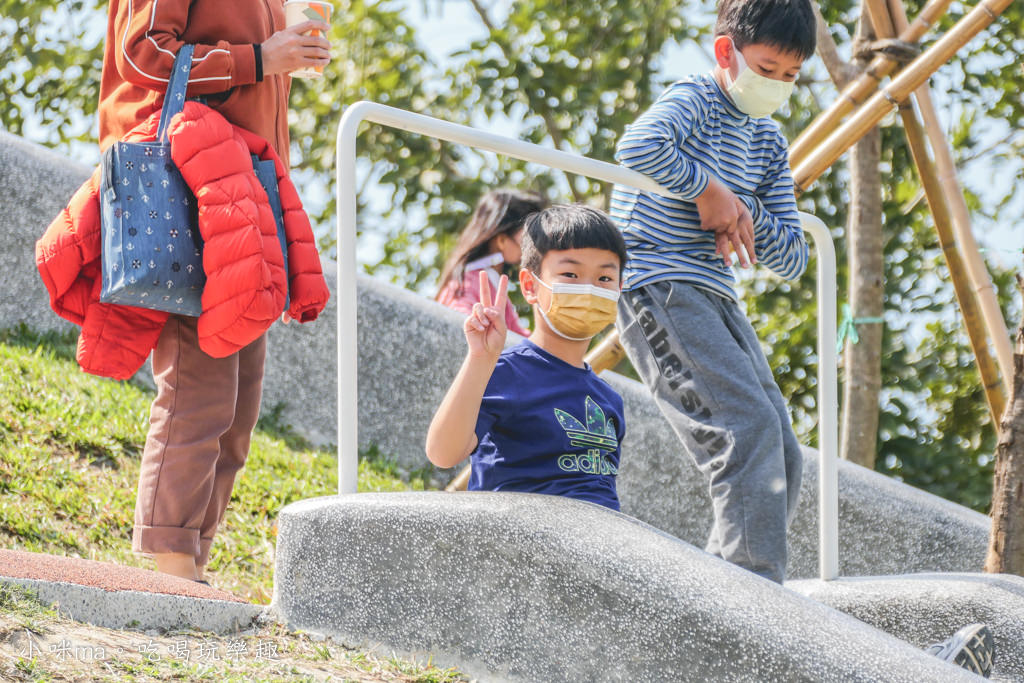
<point>116,596</point>
<point>928,608</point>
<point>526,587</point>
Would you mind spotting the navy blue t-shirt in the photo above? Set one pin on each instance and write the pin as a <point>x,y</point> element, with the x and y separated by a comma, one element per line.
<point>546,426</point>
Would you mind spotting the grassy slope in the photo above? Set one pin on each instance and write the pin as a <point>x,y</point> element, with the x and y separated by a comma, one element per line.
<point>36,644</point>
<point>69,461</point>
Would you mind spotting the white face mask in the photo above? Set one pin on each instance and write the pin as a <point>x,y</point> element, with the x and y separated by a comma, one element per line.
<point>490,264</point>
<point>754,94</point>
<point>488,261</point>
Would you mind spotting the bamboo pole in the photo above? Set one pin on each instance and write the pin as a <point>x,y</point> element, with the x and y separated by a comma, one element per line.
<point>605,356</point>
<point>881,18</point>
<point>865,84</point>
<point>917,72</point>
<point>995,392</point>
<point>461,480</point>
<point>887,17</point>
<point>988,301</point>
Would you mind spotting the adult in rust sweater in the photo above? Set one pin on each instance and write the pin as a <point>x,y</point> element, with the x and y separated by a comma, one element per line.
<point>206,408</point>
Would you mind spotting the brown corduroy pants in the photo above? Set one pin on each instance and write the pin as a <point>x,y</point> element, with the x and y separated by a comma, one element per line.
<point>200,425</point>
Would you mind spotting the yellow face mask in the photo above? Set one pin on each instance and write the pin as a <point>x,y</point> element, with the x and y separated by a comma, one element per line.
<point>578,312</point>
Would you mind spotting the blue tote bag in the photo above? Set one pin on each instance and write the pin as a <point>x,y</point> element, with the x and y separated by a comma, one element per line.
<point>152,252</point>
<point>267,175</point>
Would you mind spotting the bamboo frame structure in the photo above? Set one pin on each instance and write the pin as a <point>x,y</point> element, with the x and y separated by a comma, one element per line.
<point>988,301</point>
<point>886,17</point>
<point>877,106</point>
<point>865,84</point>
<point>995,392</point>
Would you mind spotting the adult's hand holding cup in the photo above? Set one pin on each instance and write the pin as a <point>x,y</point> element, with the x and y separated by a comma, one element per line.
<point>300,11</point>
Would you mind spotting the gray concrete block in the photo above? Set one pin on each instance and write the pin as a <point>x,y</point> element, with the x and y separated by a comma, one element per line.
<point>35,184</point>
<point>886,527</point>
<point>538,588</point>
<point>927,608</point>
<point>409,349</point>
<point>141,610</point>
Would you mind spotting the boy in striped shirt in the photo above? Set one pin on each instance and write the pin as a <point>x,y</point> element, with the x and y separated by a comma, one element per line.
<point>710,142</point>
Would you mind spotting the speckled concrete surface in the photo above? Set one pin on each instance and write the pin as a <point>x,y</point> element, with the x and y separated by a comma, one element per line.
<point>539,588</point>
<point>927,608</point>
<point>409,349</point>
<point>35,184</point>
<point>115,596</point>
<point>139,610</point>
<point>918,532</point>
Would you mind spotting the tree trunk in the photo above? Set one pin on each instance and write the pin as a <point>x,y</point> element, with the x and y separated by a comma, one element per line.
<point>1006,543</point>
<point>862,368</point>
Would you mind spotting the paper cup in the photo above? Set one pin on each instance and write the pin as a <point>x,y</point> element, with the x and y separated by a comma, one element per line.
<point>299,11</point>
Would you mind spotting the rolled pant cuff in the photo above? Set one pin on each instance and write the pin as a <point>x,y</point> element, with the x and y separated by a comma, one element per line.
<point>203,557</point>
<point>148,540</point>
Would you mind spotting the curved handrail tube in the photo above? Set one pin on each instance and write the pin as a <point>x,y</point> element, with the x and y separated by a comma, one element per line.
<point>345,158</point>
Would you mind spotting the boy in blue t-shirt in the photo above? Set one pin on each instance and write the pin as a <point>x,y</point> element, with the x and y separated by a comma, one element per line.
<point>535,417</point>
<point>710,141</point>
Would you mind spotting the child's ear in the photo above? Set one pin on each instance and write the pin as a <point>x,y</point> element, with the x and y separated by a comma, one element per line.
<point>528,286</point>
<point>723,51</point>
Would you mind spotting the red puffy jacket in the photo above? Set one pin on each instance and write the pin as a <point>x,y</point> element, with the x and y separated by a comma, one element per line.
<point>245,286</point>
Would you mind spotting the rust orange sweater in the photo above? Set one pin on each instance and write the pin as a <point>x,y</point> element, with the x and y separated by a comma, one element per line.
<point>144,35</point>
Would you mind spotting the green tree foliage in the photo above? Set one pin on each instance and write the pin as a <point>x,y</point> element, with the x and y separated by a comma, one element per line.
<point>572,75</point>
<point>50,74</point>
<point>579,72</point>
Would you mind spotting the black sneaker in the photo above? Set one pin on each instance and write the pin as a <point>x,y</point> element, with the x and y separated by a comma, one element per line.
<point>971,648</point>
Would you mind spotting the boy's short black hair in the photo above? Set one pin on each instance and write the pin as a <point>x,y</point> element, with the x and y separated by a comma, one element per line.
<point>786,24</point>
<point>569,226</point>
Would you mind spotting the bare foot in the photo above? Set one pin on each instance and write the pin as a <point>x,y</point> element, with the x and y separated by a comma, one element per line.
<point>177,564</point>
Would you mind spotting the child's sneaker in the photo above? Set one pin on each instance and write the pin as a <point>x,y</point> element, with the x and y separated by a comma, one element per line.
<point>971,647</point>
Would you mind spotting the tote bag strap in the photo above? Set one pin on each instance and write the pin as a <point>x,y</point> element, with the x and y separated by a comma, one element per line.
<point>174,98</point>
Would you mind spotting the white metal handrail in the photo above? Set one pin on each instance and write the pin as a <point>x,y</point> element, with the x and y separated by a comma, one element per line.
<point>348,442</point>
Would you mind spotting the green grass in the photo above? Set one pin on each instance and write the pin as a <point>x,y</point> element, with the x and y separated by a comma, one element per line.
<point>20,605</point>
<point>70,445</point>
<point>267,653</point>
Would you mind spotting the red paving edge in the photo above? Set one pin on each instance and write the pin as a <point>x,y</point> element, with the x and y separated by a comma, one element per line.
<point>18,564</point>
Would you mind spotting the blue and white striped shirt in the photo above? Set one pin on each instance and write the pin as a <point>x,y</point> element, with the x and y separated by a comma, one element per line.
<point>691,132</point>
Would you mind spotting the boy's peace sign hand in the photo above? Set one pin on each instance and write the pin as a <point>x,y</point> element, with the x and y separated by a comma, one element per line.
<point>485,327</point>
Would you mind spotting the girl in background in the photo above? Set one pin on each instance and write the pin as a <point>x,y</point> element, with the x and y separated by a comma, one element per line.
<point>488,242</point>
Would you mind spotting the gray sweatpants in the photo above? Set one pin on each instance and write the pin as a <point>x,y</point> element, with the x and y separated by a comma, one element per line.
<point>698,354</point>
